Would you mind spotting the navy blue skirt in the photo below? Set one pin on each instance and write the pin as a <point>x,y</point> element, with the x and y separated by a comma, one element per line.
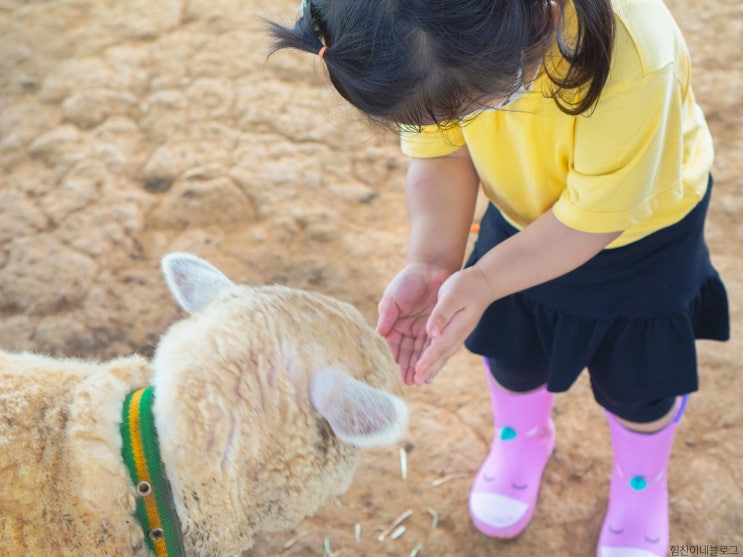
<point>630,315</point>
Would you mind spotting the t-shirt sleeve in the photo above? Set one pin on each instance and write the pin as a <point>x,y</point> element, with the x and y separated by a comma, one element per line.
<point>431,141</point>
<point>627,158</point>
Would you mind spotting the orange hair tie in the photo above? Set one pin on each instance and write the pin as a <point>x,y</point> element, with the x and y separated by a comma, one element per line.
<point>322,52</point>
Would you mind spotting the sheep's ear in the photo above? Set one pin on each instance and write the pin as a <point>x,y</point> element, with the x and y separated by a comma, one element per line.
<point>360,415</point>
<point>193,281</point>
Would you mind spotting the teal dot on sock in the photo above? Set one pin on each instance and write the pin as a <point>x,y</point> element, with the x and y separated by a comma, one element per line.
<point>507,433</point>
<point>638,483</point>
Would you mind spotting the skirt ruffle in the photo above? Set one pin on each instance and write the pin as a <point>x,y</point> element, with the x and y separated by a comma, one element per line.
<point>631,316</point>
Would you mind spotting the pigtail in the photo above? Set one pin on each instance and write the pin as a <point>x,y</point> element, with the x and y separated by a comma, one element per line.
<point>303,36</point>
<point>589,56</point>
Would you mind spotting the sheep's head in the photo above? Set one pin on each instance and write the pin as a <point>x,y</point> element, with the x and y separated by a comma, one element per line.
<point>263,398</point>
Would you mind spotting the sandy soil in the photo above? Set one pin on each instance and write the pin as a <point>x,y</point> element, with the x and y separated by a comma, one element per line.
<point>129,129</point>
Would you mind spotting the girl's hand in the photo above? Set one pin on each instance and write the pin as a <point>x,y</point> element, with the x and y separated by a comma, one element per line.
<point>462,300</point>
<point>404,311</point>
<point>545,249</point>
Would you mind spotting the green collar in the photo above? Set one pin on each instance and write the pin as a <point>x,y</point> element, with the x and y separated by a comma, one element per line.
<point>141,451</point>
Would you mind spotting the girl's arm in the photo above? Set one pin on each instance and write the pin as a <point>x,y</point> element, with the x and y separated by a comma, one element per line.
<point>544,250</point>
<point>441,195</point>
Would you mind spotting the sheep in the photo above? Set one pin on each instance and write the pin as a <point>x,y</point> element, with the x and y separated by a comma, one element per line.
<point>264,398</point>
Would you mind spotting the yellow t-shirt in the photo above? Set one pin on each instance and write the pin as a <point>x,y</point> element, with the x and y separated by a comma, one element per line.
<point>638,163</point>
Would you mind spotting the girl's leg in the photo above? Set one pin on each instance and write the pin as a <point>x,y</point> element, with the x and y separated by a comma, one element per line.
<point>654,426</point>
<point>504,492</point>
<point>636,523</point>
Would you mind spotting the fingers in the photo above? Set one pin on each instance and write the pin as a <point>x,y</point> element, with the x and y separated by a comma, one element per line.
<point>444,311</point>
<point>410,352</point>
<point>419,355</point>
<point>448,333</point>
<point>406,359</point>
<point>433,360</point>
<point>388,314</point>
<point>406,350</point>
<point>439,321</point>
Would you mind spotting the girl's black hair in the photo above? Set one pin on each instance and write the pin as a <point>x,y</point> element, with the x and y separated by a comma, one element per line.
<point>415,62</point>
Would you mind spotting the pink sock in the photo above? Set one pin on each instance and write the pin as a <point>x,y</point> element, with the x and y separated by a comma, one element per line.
<point>504,493</point>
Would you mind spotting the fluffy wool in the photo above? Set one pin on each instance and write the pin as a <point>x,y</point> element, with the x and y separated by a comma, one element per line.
<point>264,397</point>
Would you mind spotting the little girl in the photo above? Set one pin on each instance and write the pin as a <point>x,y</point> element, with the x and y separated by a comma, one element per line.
<point>578,120</point>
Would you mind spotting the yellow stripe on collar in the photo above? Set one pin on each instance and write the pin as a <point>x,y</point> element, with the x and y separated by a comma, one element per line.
<point>141,451</point>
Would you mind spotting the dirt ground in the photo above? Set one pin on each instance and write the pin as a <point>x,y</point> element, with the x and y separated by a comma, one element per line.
<point>129,129</point>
